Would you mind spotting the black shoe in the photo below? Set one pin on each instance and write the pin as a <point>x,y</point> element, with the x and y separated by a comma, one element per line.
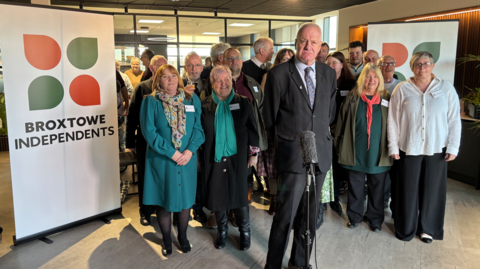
<point>376,229</point>
<point>221,239</point>
<point>335,205</point>
<point>244,240</point>
<point>352,225</point>
<point>320,216</point>
<point>167,249</point>
<point>200,216</point>
<point>427,239</point>
<point>143,219</point>
<point>185,246</point>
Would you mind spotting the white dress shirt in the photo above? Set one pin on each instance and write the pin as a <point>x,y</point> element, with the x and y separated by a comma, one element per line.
<point>424,123</point>
<point>256,61</point>
<point>301,70</point>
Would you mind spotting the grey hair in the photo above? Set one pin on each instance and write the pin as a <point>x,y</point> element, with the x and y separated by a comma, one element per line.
<point>417,56</point>
<point>382,59</point>
<point>193,53</point>
<point>261,43</point>
<point>133,59</point>
<point>218,49</point>
<point>308,24</point>
<point>155,58</point>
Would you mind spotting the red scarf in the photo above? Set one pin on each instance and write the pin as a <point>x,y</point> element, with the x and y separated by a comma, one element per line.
<point>375,101</point>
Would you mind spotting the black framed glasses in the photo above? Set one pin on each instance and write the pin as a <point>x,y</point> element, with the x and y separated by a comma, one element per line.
<point>231,59</point>
<point>420,65</point>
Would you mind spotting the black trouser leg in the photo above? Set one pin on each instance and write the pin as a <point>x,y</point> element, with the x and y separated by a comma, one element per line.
<point>393,173</point>
<point>290,207</point>
<point>376,186</point>
<point>356,185</point>
<point>388,186</point>
<point>338,174</point>
<point>141,151</point>
<point>250,178</point>
<point>432,196</point>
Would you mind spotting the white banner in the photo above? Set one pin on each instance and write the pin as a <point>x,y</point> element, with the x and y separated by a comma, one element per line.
<point>402,40</point>
<point>60,90</point>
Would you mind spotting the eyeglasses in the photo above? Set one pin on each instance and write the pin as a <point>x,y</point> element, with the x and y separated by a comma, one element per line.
<point>231,59</point>
<point>420,65</point>
<point>387,64</point>
<point>191,66</point>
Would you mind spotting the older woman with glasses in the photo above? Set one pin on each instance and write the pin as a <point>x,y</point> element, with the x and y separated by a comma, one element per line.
<point>231,146</point>
<point>424,129</point>
<point>361,145</point>
<point>171,124</point>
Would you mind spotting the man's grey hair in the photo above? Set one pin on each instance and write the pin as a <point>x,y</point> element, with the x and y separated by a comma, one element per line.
<point>193,53</point>
<point>308,24</point>
<point>417,56</point>
<point>382,59</point>
<point>155,58</point>
<point>261,43</point>
<point>218,49</point>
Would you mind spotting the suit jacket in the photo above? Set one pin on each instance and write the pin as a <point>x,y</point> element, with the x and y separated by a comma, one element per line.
<point>134,132</point>
<point>287,113</point>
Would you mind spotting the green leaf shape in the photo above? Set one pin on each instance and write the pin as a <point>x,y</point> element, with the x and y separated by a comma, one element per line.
<point>400,76</point>
<point>44,92</point>
<point>82,52</point>
<point>432,47</point>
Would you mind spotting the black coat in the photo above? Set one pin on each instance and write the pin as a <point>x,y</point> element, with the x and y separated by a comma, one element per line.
<point>224,184</point>
<point>134,132</point>
<point>346,85</point>
<point>287,114</point>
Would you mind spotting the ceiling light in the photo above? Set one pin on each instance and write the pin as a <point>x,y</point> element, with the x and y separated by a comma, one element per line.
<point>139,31</point>
<point>150,21</point>
<point>160,38</point>
<point>241,24</point>
<point>210,33</point>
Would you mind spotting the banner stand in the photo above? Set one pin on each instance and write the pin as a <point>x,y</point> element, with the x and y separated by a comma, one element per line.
<point>65,227</point>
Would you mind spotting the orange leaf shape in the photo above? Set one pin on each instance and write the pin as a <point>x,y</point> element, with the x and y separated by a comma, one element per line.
<point>398,51</point>
<point>42,51</point>
<point>85,91</point>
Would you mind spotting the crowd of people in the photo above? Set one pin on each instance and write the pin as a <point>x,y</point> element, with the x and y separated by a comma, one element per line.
<point>200,141</point>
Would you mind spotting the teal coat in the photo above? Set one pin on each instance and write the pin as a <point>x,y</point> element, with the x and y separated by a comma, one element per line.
<point>166,184</point>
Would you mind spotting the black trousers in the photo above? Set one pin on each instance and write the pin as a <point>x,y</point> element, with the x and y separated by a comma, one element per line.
<point>392,179</point>
<point>376,186</point>
<point>421,194</point>
<point>339,174</point>
<point>141,151</point>
<point>291,205</point>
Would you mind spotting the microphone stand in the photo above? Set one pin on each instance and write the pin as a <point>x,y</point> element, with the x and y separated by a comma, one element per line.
<point>311,169</point>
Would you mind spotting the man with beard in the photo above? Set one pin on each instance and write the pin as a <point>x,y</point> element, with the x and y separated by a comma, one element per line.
<point>322,54</point>
<point>356,49</point>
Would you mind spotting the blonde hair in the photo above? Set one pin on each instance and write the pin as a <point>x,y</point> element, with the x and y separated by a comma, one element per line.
<point>158,75</point>
<point>134,59</point>
<point>358,90</point>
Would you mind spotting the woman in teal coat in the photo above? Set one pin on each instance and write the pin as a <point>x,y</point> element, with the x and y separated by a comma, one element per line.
<point>171,124</point>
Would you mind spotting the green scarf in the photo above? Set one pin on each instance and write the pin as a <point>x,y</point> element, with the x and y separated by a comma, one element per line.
<point>225,138</point>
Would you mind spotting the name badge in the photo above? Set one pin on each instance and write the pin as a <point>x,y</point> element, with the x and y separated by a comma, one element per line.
<point>385,103</point>
<point>255,88</point>
<point>234,106</point>
<point>344,93</point>
<point>437,94</point>
<point>189,108</point>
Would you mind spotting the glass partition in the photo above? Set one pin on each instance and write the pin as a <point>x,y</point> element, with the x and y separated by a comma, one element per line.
<point>201,30</point>
<point>123,25</point>
<point>284,32</point>
<point>245,31</point>
<point>156,29</point>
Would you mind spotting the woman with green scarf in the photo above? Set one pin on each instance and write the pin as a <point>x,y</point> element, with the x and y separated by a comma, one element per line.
<point>231,147</point>
<point>171,124</point>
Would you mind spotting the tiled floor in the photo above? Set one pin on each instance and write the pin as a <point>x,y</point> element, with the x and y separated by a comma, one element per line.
<point>126,244</point>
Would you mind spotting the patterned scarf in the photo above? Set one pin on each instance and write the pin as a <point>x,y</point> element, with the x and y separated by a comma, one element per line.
<point>375,101</point>
<point>174,110</point>
<point>225,138</point>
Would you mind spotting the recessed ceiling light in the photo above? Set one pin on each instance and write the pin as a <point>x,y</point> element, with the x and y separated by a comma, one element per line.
<point>241,24</point>
<point>139,31</point>
<point>160,38</point>
<point>150,21</point>
<point>210,33</point>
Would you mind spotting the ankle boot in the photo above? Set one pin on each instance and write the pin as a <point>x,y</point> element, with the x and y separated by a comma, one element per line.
<point>244,240</point>
<point>222,229</point>
<point>273,205</point>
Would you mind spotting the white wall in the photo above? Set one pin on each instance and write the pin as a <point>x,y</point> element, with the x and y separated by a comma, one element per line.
<point>383,10</point>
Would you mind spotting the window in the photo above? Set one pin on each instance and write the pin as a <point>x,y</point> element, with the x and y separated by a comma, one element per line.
<point>330,32</point>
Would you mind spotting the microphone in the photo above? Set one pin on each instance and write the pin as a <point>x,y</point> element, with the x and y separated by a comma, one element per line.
<point>309,149</point>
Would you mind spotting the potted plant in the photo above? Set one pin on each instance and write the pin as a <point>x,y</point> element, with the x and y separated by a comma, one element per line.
<point>472,99</point>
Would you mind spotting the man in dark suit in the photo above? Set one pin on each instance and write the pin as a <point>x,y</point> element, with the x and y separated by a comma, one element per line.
<point>135,140</point>
<point>146,57</point>
<point>299,96</point>
<point>260,63</point>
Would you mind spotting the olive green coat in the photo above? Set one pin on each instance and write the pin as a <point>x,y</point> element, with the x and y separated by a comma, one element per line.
<point>345,132</point>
